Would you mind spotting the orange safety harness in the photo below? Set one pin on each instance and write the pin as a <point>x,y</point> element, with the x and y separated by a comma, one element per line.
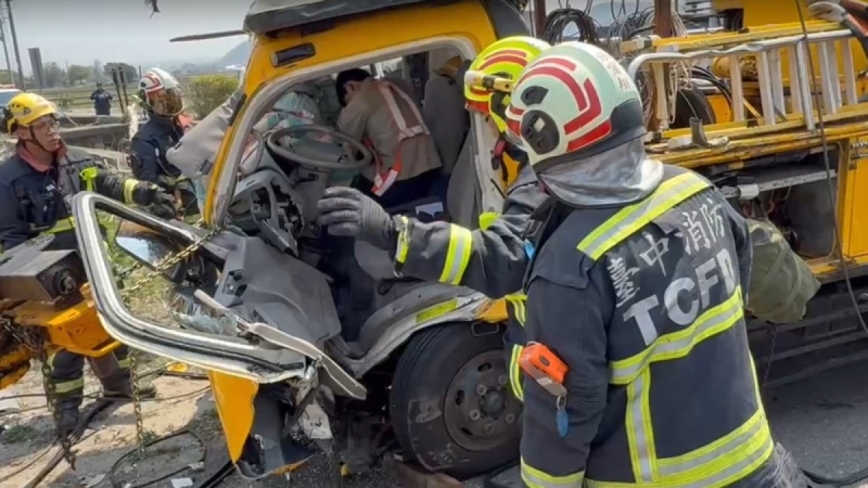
<point>385,179</point>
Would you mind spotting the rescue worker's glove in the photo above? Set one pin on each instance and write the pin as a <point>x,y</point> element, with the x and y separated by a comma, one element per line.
<point>348,212</point>
<point>168,183</point>
<point>158,201</point>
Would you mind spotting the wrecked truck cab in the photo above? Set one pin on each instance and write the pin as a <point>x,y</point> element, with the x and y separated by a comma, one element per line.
<point>299,363</point>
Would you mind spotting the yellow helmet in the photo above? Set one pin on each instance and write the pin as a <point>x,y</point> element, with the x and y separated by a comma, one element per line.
<point>26,108</point>
<point>503,59</point>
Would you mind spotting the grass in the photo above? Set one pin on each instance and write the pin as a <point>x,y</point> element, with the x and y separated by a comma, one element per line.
<point>17,434</point>
<point>79,96</point>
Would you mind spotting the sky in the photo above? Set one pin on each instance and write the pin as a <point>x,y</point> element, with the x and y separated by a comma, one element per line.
<point>81,31</point>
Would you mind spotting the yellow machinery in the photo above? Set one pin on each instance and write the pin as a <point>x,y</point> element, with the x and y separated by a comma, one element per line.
<point>45,306</point>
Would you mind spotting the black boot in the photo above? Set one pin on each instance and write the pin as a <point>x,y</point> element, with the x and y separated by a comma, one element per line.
<point>67,420</point>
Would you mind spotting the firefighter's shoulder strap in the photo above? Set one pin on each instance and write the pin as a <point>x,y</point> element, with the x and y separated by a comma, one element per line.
<point>781,283</point>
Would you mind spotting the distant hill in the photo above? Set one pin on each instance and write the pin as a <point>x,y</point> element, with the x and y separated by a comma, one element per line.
<point>237,55</point>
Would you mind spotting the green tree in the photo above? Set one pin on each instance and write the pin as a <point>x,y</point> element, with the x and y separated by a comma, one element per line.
<point>207,92</point>
<point>78,74</point>
<point>6,77</point>
<point>52,75</point>
<point>130,72</point>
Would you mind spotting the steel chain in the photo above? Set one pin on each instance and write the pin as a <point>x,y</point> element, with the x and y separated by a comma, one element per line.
<point>26,335</point>
<point>137,403</point>
<point>166,264</point>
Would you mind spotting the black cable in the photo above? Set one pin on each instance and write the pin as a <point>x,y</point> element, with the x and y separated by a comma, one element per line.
<point>113,470</point>
<point>100,397</point>
<point>101,405</point>
<point>75,437</point>
<point>559,19</point>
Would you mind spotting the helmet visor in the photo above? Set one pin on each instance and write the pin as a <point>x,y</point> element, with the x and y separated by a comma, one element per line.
<point>167,102</point>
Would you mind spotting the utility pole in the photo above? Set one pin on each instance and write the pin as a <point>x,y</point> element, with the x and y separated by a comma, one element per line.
<point>5,48</point>
<point>22,86</point>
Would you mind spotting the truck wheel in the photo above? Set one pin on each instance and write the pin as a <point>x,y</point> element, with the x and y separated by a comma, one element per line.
<point>451,407</point>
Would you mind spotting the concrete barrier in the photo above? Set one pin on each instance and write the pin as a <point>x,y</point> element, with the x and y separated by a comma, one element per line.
<point>105,136</point>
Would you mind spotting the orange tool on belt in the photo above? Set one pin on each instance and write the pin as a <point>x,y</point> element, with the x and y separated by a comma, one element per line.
<point>545,367</point>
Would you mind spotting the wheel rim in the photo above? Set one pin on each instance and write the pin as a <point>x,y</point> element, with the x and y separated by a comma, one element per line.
<point>480,411</point>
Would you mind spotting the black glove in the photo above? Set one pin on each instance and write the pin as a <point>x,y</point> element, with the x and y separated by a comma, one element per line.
<point>167,183</point>
<point>347,212</point>
<point>163,205</point>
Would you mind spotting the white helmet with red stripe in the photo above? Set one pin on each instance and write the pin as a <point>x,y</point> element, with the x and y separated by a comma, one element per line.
<point>573,101</point>
<point>161,93</point>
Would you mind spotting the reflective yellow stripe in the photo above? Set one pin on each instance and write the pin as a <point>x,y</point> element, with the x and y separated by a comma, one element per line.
<point>726,470</point>
<point>534,478</point>
<point>686,465</point>
<point>88,175</point>
<point>633,217</point>
<point>640,434</point>
<point>458,255</point>
<point>515,372</point>
<point>403,242</point>
<point>63,387</point>
<point>129,187</point>
<point>519,311</point>
<point>61,225</point>
<point>720,463</point>
<point>124,363</point>
<point>678,344</point>
<point>486,219</point>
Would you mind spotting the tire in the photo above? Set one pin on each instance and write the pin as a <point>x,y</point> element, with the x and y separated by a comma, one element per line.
<point>441,415</point>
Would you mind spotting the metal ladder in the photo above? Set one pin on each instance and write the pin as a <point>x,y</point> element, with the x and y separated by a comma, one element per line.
<point>768,54</point>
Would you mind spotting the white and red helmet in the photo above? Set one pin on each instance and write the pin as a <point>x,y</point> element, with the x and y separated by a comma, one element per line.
<point>573,101</point>
<point>161,93</point>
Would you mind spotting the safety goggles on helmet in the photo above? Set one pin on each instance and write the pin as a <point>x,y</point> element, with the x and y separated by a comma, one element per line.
<point>487,83</point>
<point>166,102</point>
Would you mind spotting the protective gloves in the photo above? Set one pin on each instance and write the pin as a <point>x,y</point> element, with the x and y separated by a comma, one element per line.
<point>159,202</point>
<point>348,212</point>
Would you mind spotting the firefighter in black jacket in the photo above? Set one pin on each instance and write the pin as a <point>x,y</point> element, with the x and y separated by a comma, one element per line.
<point>637,362</point>
<point>36,188</point>
<point>490,260</point>
<point>639,372</point>
<point>160,94</point>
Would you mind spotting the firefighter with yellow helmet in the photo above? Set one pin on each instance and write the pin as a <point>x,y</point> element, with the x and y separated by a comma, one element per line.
<point>37,184</point>
<point>492,259</point>
<point>637,360</point>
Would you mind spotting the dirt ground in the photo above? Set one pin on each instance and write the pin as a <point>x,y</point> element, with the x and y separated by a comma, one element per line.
<point>181,404</point>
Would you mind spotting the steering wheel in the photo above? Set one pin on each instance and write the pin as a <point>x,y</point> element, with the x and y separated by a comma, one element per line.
<point>335,152</point>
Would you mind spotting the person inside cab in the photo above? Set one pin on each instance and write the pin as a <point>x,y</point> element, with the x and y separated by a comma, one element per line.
<point>492,259</point>
<point>639,371</point>
<point>161,95</point>
<point>381,115</point>
<point>37,185</point>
